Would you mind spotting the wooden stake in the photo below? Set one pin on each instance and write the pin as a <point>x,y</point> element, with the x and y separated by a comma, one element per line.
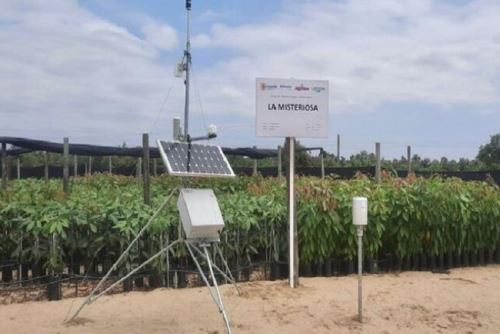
<point>66,166</point>
<point>408,149</point>
<point>377,166</point>
<point>46,166</point>
<point>4,166</point>
<point>145,167</point>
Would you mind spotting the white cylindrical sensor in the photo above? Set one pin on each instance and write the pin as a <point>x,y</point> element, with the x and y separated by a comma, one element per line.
<point>360,211</point>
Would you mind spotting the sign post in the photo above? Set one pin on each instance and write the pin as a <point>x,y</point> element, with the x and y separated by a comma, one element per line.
<point>292,108</point>
<point>360,220</point>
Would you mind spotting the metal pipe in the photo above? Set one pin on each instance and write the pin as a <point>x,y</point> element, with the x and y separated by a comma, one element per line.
<point>187,54</point>
<point>360,273</point>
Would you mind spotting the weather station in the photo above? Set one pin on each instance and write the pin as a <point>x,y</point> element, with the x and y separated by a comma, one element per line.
<point>199,212</point>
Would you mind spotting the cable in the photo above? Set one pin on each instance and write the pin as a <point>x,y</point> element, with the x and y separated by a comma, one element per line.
<point>163,104</point>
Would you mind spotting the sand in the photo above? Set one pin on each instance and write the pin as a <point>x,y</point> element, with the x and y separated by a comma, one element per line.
<point>464,301</point>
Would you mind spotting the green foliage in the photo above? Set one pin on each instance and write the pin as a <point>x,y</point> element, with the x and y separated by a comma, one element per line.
<point>104,213</point>
<point>490,153</point>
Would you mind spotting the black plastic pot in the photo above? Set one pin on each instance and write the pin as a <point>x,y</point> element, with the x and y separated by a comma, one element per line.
<point>406,264</point>
<point>169,279</point>
<point>473,259</point>
<point>415,262</point>
<point>349,267</point>
<point>398,264</point>
<point>432,264</point>
<point>481,260</point>
<point>490,257</point>
<point>441,261</point>
<point>275,271</point>
<point>7,273</point>
<point>128,285</point>
<point>182,281</point>
<point>139,282</point>
<point>457,261</point>
<point>54,288</point>
<point>449,261</point>
<point>497,255</point>
<point>284,269</point>
<point>465,258</point>
<point>336,267</point>
<point>154,280</point>
<point>305,270</point>
<point>328,268</point>
<point>372,266</point>
<point>423,262</point>
<point>318,269</point>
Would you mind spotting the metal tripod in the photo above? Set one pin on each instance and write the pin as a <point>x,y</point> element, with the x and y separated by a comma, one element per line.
<point>190,245</point>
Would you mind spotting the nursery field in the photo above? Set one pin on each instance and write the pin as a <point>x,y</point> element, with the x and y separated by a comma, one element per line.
<point>464,301</point>
<point>414,224</point>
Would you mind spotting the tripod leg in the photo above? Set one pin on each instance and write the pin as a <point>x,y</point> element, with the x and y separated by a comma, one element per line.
<point>91,298</point>
<point>232,280</point>
<point>213,265</point>
<point>226,319</point>
<point>203,276</point>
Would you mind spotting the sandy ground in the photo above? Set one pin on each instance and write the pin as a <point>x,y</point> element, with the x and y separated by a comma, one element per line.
<point>465,301</point>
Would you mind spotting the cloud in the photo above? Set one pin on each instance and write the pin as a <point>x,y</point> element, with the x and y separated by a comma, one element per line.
<point>372,52</point>
<point>161,36</point>
<point>67,70</point>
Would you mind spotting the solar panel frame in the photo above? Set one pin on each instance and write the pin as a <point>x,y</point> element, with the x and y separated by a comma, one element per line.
<point>197,169</point>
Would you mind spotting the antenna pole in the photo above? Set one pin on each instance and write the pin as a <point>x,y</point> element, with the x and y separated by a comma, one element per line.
<point>187,54</point>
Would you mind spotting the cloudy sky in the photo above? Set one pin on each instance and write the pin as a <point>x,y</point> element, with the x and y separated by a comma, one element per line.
<point>424,73</point>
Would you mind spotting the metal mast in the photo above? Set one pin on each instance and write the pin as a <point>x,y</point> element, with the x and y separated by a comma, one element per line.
<point>187,57</point>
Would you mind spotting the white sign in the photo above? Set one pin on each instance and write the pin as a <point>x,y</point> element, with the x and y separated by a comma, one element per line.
<point>292,108</point>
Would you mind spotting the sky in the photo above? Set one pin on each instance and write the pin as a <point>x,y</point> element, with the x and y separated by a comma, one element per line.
<point>424,73</point>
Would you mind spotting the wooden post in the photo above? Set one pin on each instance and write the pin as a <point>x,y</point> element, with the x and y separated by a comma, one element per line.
<point>46,168</point>
<point>254,172</point>
<point>408,151</point>
<point>145,167</point>
<point>9,176</point>
<point>75,167</point>
<point>322,156</point>
<point>293,241</point>
<point>280,168</point>
<point>4,166</point>
<point>110,164</point>
<point>338,147</point>
<point>90,166</point>
<point>377,166</point>
<point>18,161</point>
<point>155,168</point>
<point>66,166</point>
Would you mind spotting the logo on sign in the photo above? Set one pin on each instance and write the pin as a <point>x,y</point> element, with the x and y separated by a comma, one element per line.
<point>264,86</point>
<point>287,87</point>
<point>318,89</point>
<point>301,88</point>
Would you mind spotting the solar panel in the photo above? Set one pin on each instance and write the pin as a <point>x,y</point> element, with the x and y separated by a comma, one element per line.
<point>183,159</point>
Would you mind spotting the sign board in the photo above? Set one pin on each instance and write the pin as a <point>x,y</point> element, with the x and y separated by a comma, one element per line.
<point>292,108</point>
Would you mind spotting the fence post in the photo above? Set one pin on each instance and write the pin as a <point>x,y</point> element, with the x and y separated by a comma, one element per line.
<point>4,166</point>
<point>46,166</point>
<point>322,156</point>
<point>377,166</point>
<point>145,167</point>
<point>110,164</point>
<point>18,168</point>
<point>155,168</point>
<point>9,176</point>
<point>280,168</point>
<point>338,147</point>
<point>408,149</point>
<point>75,167</point>
<point>254,172</point>
<point>90,165</point>
<point>66,166</point>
